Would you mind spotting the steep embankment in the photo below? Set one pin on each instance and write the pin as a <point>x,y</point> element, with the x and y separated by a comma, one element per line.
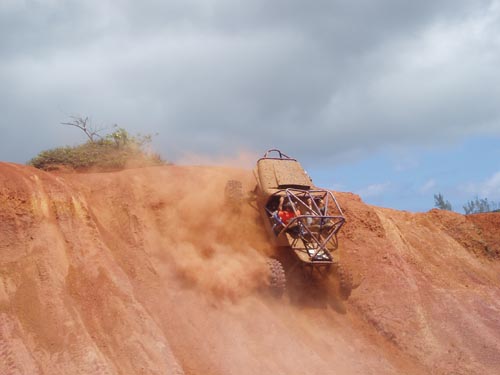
<point>141,272</point>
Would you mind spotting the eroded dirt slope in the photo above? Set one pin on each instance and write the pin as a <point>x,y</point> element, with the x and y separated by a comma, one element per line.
<point>142,272</point>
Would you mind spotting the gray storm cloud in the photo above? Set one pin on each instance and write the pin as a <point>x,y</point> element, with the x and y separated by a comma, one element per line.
<point>219,76</point>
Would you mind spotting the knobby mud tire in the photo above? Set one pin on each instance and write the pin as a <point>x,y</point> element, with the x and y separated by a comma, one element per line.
<point>277,278</point>
<point>345,281</point>
<point>233,193</point>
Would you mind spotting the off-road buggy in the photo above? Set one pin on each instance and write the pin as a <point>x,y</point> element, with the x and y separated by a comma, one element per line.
<point>300,218</point>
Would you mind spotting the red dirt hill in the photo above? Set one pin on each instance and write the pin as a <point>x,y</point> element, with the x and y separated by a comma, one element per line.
<point>141,272</point>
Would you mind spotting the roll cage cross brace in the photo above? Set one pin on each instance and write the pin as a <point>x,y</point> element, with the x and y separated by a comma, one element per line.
<point>318,218</point>
<point>280,154</point>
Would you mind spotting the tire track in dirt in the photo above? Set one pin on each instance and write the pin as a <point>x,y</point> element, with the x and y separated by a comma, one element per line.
<point>8,365</point>
<point>104,298</point>
<point>88,360</point>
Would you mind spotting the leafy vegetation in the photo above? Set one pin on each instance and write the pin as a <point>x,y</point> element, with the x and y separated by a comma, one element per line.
<point>115,150</point>
<point>441,203</point>
<point>475,206</point>
<point>479,205</point>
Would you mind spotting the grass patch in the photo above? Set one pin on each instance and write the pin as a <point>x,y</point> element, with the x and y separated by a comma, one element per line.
<point>115,151</point>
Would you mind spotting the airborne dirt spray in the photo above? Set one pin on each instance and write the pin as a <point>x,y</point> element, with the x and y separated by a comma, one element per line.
<point>212,247</point>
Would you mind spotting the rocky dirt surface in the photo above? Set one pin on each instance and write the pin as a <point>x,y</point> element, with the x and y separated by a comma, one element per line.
<point>143,272</point>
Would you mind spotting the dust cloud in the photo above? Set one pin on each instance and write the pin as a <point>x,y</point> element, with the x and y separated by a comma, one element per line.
<point>212,246</point>
<point>243,159</point>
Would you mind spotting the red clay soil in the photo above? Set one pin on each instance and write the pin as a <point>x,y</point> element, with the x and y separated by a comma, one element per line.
<point>142,272</point>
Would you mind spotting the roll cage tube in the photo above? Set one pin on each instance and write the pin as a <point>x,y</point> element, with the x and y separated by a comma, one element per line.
<point>299,199</point>
<point>281,155</point>
<point>316,226</point>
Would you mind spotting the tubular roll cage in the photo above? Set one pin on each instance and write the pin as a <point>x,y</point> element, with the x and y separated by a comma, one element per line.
<point>317,228</point>
<point>281,155</point>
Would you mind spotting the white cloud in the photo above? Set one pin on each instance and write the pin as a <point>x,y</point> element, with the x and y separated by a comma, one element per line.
<point>300,75</point>
<point>489,188</point>
<point>406,163</point>
<point>337,187</point>
<point>425,188</point>
<point>374,190</point>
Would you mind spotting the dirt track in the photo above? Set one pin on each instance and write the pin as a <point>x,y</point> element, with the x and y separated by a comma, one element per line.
<point>141,272</point>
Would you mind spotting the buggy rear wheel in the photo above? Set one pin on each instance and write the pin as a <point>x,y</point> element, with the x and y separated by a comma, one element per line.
<point>277,278</point>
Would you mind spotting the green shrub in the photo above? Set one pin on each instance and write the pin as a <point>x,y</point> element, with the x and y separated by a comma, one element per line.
<point>114,151</point>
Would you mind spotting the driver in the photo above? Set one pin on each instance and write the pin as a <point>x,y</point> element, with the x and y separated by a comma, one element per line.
<point>286,212</point>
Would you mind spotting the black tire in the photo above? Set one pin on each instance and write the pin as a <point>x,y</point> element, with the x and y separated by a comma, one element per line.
<point>277,278</point>
<point>233,193</point>
<point>345,281</point>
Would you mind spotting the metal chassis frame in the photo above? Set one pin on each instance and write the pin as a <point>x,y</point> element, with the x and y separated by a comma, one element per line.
<point>336,221</point>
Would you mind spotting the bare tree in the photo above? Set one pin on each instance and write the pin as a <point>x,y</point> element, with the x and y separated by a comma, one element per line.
<point>85,125</point>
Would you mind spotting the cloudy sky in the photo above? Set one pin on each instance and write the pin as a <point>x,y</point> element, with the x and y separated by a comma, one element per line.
<point>394,100</point>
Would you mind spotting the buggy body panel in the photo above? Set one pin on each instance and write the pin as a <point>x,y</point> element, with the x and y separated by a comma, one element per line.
<point>281,172</point>
<point>276,174</point>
